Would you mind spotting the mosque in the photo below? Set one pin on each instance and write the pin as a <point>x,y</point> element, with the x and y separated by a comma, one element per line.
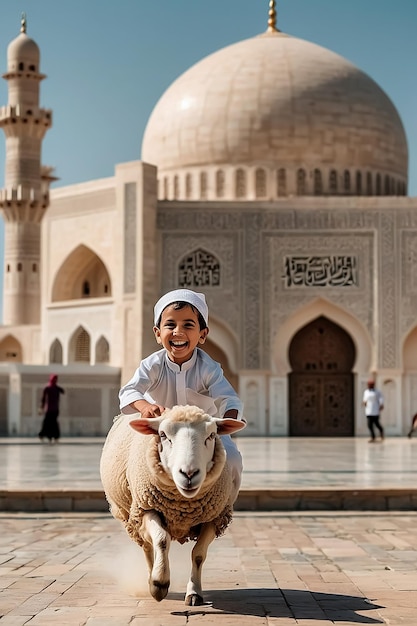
<point>273,179</point>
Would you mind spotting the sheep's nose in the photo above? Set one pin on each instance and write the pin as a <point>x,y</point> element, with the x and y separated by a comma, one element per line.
<point>190,474</point>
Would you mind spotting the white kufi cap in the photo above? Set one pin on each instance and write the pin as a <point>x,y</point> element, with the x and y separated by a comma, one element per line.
<point>198,300</point>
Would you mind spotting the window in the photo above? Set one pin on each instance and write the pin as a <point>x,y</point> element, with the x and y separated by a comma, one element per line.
<point>203,185</point>
<point>387,186</point>
<point>346,181</point>
<point>19,267</point>
<point>369,189</point>
<point>82,347</point>
<point>220,184</point>
<point>333,182</point>
<point>260,183</point>
<point>358,183</point>
<point>188,186</point>
<point>55,352</point>
<point>176,188</point>
<point>102,351</point>
<point>318,186</point>
<point>378,184</point>
<point>301,182</point>
<point>282,182</point>
<point>240,183</point>
<point>86,289</point>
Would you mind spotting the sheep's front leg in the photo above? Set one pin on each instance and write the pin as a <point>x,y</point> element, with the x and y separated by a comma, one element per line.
<point>156,548</point>
<point>194,595</point>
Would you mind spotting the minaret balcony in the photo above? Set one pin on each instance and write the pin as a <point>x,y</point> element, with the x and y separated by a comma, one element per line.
<point>23,195</point>
<point>25,115</point>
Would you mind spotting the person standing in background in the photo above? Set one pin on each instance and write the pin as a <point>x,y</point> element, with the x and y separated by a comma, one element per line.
<point>373,402</point>
<point>50,407</point>
<point>413,426</point>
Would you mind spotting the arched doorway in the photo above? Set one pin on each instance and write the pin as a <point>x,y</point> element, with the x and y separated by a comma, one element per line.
<point>218,355</point>
<point>321,356</point>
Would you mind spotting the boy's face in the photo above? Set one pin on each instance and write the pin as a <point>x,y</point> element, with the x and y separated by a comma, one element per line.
<point>179,333</point>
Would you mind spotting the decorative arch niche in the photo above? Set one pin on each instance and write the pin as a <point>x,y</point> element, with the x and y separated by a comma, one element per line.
<point>55,352</point>
<point>410,351</point>
<point>82,275</point>
<point>79,347</point>
<point>102,351</point>
<point>11,350</point>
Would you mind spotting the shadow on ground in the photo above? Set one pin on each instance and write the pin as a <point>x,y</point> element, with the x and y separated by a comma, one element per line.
<point>290,603</point>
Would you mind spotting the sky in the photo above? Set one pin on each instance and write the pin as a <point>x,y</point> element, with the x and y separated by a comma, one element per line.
<point>108,62</point>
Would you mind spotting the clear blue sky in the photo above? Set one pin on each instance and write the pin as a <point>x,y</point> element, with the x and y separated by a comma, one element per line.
<point>108,62</point>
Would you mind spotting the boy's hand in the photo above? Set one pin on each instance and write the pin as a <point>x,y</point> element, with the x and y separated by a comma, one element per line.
<point>152,410</point>
<point>148,410</point>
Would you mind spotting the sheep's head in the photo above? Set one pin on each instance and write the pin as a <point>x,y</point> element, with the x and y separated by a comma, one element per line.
<point>187,443</point>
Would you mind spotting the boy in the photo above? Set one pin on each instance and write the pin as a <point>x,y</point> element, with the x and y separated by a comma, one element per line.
<point>181,373</point>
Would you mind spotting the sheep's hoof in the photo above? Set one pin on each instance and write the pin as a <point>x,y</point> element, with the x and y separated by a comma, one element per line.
<point>157,590</point>
<point>194,600</point>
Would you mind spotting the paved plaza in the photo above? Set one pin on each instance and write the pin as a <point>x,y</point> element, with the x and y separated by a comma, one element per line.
<point>279,474</point>
<point>271,567</point>
<point>304,569</point>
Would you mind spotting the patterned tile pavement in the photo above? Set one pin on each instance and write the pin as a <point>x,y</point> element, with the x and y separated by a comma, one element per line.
<point>311,569</point>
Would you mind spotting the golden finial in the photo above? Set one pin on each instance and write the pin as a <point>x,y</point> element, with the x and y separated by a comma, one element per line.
<point>23,23</point>
<point>272,20</point>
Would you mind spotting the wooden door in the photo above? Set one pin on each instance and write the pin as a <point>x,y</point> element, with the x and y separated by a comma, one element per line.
<point>321,382</point>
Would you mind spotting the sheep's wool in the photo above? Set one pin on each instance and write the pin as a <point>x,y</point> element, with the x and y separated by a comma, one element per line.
<point>157,491</point>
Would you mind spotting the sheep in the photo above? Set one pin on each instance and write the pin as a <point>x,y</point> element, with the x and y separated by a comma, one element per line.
<point>174,485</point>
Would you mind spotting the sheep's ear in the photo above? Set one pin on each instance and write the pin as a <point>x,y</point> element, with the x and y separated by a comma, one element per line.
<point>145,426</point>
<point>227,426</point>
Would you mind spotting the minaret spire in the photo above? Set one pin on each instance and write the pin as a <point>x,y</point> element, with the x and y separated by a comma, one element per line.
<point>25,196</point>
<point>272,20</point>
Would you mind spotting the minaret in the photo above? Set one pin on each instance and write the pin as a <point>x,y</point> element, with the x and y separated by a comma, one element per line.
<point>25,196</point>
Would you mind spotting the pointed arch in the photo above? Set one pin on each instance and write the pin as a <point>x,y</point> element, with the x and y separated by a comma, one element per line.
<point>223,338</point>
<point>220,184</point>
<point>11,350</point>
<point>281,182</point>
<point>410,351</point>
<point>102,350</point>
<point>301,182</point>
<point>55,352</point>
<point>260,183</point>
<point>321,384</point>
<point>82,275</point>
<point>240,183</point>
<point>79,346</point>
<point>316,308</point>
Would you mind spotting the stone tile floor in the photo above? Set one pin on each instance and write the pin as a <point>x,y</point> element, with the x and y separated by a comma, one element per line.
<point>310,569</point>
<point>268,462</point>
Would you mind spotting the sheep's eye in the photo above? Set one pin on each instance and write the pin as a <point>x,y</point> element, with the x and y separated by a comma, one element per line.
<point>210,437</point>
<point>163,436</point>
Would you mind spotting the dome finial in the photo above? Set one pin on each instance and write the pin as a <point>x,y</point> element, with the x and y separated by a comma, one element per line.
<point>23,23</point>
<point>272,20</point>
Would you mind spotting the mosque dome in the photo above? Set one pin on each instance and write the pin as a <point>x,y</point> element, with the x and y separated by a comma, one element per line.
<point>275,116</point>
<point>23,52</point>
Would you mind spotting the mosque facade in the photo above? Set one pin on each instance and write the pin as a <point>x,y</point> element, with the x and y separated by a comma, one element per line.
<point>274,179</point>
